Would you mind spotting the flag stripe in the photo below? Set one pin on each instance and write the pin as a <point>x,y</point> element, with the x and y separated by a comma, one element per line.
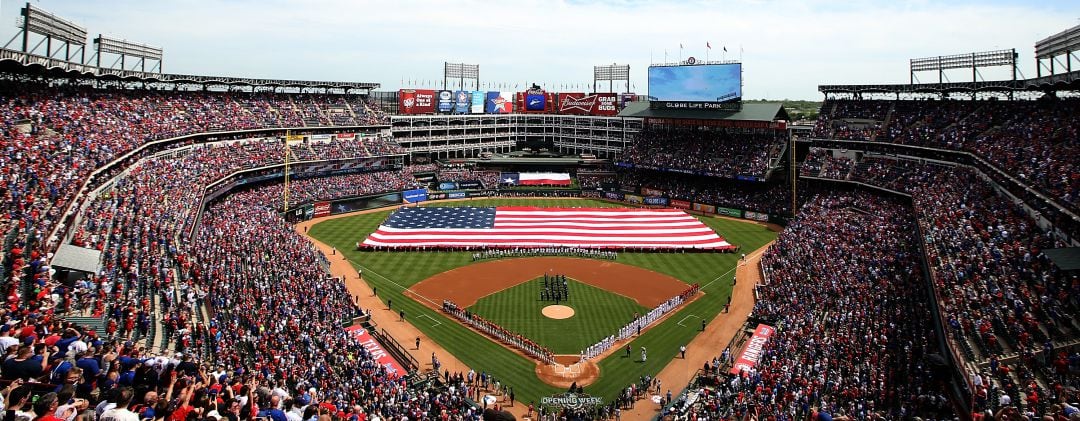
<point>542,227</point>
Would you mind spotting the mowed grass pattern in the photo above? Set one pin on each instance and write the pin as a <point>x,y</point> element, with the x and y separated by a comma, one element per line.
<point>597,314</point>
<point>392,272</point>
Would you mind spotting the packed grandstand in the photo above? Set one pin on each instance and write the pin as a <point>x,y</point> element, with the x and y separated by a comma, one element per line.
<point>909,280</point>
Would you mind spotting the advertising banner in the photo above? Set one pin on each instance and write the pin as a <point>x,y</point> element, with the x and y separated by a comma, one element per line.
<point>751,354</point>
<point>393,368</point>
<point>321,209</point>
<point>477,102</point>
<point>734,213</point>
<point>436,196</point>
<point>651,192</point>
<point>448,185</point>
<point>499,102</point>
<point>469,184</point>
<point>657,201</point>
<point>535,102</point>
<point>446,102</point>
<point>581,104</point>
<point>456,195</point>
<point>680,204</point>
<point>701,207</point>
<point>633,198</point>
<point>345,136</point>
<point>626,99</point>
<point>416,101</point>
<point>415,195</point>
<point>756,216</point>
<point>319,138</point>
<point>462,99</point>
<point>613,195</point>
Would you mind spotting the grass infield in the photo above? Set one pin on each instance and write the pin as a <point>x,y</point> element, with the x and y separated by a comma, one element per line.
<point>392,272</point>
<point>597,314</point>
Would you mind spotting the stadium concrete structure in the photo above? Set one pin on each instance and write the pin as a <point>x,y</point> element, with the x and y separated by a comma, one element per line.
<point>942,304</point>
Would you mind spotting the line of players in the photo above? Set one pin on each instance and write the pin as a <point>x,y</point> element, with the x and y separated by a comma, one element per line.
<point>590,253</point>
<point>554,288</point>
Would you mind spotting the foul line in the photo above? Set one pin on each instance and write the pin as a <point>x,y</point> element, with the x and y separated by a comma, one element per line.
<point>748,257</point>
<point>366,271</point>
<point>430,318</point>
<point>687,317</point>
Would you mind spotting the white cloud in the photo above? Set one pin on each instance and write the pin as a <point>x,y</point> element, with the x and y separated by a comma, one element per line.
<point>789,46</point>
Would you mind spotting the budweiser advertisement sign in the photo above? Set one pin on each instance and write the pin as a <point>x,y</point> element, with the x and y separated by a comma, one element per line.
<point>595,104</point>
<point>321,209</point>
<point>751,354</point>
<point>416,101</point>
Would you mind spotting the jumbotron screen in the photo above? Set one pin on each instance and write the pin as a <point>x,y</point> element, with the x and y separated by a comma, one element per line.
<point>696,83</point>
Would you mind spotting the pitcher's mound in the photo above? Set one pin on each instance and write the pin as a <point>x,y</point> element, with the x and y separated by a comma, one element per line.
<point>558,312</point>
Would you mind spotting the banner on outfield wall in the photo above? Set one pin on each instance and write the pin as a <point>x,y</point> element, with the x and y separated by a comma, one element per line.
<point>657,201</point>
<point>321,209</point>
<point>445,102</point>
<point>415,196</point>
<point>613,195</point>
<point>633,198</point>
<point>757,216</point>
<point>701,207</point>
<point>680,204</point>
<point>372,346</point>
<point>755,347</point>
<point>416,101</point>
<point>436,196</point>
<point>651,192</point>
<point>734,213</point>
<point>448,185</point>
<point>462,99</point>
<point>469,184</point>
<point>456,195</point>
<point>581,104</point>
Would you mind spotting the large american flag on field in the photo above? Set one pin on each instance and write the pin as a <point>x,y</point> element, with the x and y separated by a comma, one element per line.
<point>462,227</point>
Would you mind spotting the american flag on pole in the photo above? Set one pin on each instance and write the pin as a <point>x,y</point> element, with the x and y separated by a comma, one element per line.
<point>508,227</point>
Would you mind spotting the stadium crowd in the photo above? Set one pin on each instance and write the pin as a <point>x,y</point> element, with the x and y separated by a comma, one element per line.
<point>754,196</point>
<point>709,152</point>
<point>853,333</point>
<point>1010,312</point>
<point>1038,141</point>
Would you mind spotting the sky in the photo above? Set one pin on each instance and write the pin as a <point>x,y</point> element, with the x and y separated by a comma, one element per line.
<point>788,47</point>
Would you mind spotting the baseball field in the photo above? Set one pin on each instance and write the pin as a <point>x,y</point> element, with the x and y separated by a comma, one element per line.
<point>403,278</point>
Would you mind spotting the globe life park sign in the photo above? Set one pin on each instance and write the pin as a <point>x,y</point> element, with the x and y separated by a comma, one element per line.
<point>571,401</point>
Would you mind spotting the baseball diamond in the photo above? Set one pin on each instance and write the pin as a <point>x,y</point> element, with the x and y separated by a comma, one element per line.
<point>540,243</point>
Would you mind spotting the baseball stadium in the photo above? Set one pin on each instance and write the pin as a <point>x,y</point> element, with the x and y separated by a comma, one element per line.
<point>187,247</point>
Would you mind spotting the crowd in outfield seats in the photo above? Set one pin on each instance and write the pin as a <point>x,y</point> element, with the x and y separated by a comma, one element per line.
<point>1008,309</point>
<point>487,179</point>
<point>718,153</point>
<point>1037,141</point>
<point>853,329</point>
<point>752,196</point>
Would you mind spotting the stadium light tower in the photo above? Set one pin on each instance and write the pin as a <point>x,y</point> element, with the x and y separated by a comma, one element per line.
<point>611,73</point>
<point>461,72</point>
<point>124,49</point>
<point>35,20</point>
<point>964,61</point>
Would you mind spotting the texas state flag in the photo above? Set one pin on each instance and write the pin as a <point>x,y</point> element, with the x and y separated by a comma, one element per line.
<point>536,179</point>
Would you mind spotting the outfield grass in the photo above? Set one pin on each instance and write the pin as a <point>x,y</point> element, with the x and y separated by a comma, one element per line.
<point>597,314</point>
<point>392,272</point>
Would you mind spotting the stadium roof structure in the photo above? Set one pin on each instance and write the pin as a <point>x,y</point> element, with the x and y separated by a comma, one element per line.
<point>77,258</point>
<point>764,112</point>
<point>1060,81</point>
<point>13,61</point>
